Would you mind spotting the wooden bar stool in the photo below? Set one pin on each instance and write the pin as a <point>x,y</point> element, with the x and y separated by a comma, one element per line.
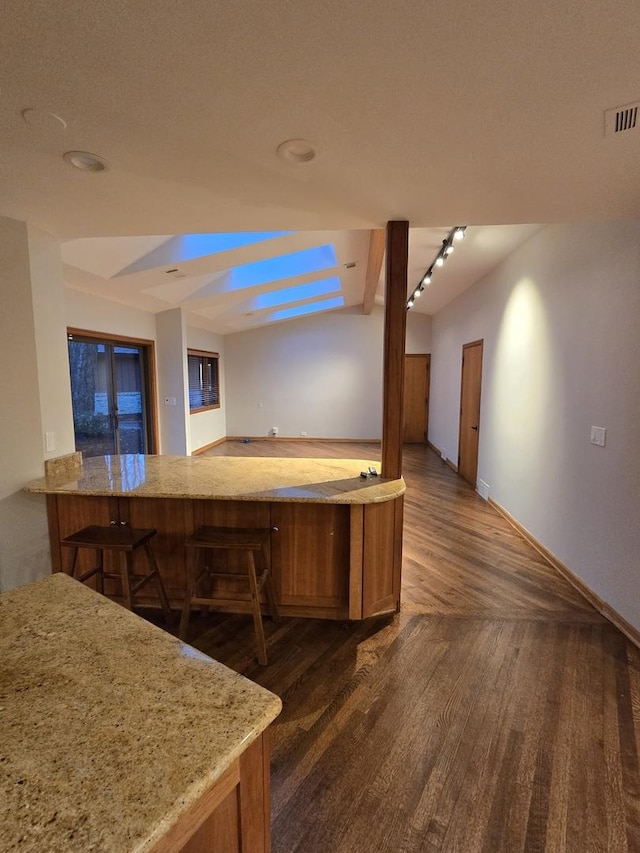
<point>252,541</point>
<point>123,540</point>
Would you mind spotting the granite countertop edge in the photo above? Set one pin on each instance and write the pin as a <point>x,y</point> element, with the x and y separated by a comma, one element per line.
<point>270,479</point>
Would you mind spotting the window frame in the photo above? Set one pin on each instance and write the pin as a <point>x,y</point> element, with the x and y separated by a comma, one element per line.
<point>214,383</point>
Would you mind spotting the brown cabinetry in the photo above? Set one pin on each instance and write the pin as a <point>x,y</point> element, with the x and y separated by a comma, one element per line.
<point>310,558</point>
<point>332,561</point>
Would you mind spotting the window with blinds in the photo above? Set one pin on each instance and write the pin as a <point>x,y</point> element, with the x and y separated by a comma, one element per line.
<point>204,383</point>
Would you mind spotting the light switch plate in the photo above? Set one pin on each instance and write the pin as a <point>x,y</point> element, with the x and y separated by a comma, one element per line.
<point>598,436</point>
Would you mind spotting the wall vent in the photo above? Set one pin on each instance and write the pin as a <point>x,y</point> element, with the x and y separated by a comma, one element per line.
<point>621,119</point>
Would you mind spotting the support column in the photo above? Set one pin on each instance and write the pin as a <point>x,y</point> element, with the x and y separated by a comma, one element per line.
<point>395,324</point>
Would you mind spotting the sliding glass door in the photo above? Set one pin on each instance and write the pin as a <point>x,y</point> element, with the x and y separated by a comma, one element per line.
<point>109,392</point>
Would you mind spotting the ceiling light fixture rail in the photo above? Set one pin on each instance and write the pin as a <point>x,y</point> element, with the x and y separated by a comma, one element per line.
<point>456,233</point>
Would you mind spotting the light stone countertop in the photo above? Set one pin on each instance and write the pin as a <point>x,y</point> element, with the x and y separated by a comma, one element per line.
<point>335,481</point>
<point>110,727</point>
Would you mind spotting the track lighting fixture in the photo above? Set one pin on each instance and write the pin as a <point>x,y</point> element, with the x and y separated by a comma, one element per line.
<point>456,233</point>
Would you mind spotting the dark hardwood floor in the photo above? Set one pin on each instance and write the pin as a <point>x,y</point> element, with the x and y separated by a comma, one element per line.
<point>498,711</point>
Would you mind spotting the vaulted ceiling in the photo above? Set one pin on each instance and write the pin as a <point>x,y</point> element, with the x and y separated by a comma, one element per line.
<point>484,114</point>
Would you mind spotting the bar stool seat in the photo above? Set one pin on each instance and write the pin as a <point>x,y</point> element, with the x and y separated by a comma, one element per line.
<point>123,540</point>
<point>251,541</point>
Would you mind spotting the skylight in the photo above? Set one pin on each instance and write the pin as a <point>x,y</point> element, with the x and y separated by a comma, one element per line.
<point>298,293</point>
<point>308,308</point>
<point>189,246</point>
<point>304,262</point>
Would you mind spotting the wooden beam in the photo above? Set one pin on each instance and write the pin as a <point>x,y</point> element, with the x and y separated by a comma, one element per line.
<point>395,325</point>
<point>374,265</point>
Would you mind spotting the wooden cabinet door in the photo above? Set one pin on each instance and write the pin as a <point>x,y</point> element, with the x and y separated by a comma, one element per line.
<point>310,558</point>
<point>173,520</point>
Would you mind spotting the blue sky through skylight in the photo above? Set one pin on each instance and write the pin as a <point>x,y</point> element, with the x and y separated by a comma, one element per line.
<point>304,262</point>
<point>297,294</point>
<point>189,246</point>
<point>309,308</point>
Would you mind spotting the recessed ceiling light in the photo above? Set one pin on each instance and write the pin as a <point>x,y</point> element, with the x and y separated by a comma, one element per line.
<point>85,161</point>
<point>297,151</point>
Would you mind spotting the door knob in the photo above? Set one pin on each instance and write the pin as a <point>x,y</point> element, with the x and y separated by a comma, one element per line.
<point>475,427</point>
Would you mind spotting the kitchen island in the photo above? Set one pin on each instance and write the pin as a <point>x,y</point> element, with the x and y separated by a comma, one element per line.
<point>116,736</point>
<point>336,541</point>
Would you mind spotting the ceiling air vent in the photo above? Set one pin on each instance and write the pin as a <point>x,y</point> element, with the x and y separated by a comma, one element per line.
<point>176,273</point>
<point>621,119</point>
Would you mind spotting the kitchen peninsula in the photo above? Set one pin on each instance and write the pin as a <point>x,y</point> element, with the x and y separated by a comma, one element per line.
<point>119,737</point>
<point>336,541</point>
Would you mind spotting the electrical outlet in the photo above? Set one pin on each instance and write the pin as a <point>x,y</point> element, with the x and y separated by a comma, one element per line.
<point>598,436</point>
<point>50,441</point>
<point>304,432</point>
<point>274,430</point>
<point>170,401</point>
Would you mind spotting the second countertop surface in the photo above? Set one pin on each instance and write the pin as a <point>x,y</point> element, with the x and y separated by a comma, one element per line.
<point>335,481</point>
<point>111,728</point>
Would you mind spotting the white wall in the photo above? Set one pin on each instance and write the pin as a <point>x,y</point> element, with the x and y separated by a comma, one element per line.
<point>172,381</point>
<point>31,300</point>
<point>47,291</point>
<point>204,428</point>
<point>560,319</point>
<point>321,375</point>
<point>92,314</point>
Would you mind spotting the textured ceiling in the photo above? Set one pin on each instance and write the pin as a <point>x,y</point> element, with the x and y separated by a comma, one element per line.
<point>438,113</point>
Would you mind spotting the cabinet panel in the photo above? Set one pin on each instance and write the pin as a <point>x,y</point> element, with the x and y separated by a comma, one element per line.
<point>310,554</point>
<point>232,514</point>
<point>380,553</point>
<point>173,519</point>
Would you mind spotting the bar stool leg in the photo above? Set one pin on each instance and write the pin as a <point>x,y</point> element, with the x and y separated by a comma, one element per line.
<point>256,610</point>
<point>269,587</point>
<point>192,563</point>
<point>100,572</point>
<point>126,570</point>
<point>74,559</point>
<point>162,595</point>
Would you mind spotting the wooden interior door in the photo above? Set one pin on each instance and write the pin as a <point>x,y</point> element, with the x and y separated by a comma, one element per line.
<point>416,397</point>
<point>470,411</point>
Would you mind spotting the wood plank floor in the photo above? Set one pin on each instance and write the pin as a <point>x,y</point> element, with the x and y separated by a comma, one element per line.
<point>498,711</point>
